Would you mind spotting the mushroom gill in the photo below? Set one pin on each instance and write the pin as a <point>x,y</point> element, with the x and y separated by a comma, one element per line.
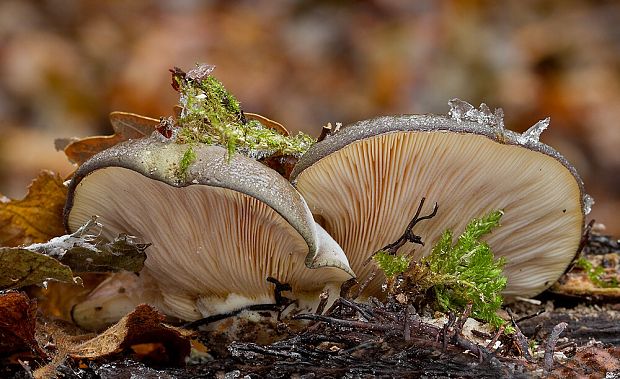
<point>218,231</point>
<point>366,182</point>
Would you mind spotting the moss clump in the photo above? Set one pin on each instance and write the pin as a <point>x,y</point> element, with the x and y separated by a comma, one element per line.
<point>596,274</point>
<point>454,274</point>
<point>212,115</point>
<point>392,265</point>
<point>188,158</point>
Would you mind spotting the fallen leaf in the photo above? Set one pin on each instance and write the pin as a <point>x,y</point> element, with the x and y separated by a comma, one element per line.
<point>282,164</point>
<point>17,324</point>
<point>589,362</point>
<point>578,283</point>
<point>268,123</point>
<point>85,251</point>
<point>37,217</point>
<point>125,125</point>
<point>56,259</point>
<point>58,299</point>
<point>142,331</point>
<point>22,267</point>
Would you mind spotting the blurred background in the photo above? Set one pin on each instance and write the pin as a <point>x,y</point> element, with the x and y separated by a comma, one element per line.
<point>64,65</point>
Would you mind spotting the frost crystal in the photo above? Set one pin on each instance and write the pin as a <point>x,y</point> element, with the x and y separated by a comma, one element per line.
<point>532,135</point>
<point>461,110</point>
<point>58,246</point>
<point>458,109</point>
<point>588,202</point>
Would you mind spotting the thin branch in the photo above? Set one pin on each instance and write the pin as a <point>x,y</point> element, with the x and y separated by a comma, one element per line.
<point>408,235</point>
<point>550,346</point>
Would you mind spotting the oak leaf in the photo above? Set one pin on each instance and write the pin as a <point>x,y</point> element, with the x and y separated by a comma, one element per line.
<point>17,324</point>
<point>37,217</point>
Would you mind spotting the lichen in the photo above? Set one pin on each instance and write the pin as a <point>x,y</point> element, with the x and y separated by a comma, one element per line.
<point>212,115</point>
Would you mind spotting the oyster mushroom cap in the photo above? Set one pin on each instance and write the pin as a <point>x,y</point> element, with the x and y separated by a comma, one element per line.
<point>218,230</point>
<point>367,180</point>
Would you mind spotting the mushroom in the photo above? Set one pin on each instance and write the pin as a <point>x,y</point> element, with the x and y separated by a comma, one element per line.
<point>366,181</point>
<point>218,229</point>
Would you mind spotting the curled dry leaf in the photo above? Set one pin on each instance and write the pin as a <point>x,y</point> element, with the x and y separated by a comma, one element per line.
<point>126,126</point>
<point>81,251</point>
<point>142,331</point>
<point>37,217</point>
<point>267,123</point>
<point>86,251</point>
<point>17,324</point>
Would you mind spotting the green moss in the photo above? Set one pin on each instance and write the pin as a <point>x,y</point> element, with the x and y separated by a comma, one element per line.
<point>212,115</point>
<point>596,274</point>
<point>454,274</point>
<point>391,265</point>
<point>189,157</point>
<point>468,272</point>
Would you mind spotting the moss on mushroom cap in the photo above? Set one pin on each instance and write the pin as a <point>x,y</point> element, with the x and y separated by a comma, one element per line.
<point>218,231</point>
<point>367,180</point>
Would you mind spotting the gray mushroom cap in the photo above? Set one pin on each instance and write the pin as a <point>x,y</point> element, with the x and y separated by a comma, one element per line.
<point>366,180</point>
<point>218,229</point>
<point>159,160</point>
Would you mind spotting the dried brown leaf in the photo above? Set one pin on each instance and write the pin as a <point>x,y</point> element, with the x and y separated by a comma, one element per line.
<point>125,125</point>
<point>37,217</point>
<point>590,362</point>
<point>17,324</point>
<point>268,123</point>
<point>142,331</point>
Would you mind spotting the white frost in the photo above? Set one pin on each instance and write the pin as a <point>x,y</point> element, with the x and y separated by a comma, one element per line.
<point>534,132</point>
<point>461,110</point>
<point>588,202</point>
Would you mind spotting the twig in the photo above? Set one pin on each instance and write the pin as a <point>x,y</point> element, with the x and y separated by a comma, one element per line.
<point>346,288</point>
<point>408,235</point>
<point>345,323</point>
<point>521,340</point>
<point>527,317</point>
<point>463,319</point>
<point>281,303</point>
<point>363,312</point>
<point>500,331</point>
<point>222,316</point>
<point>323,297</point>
<point>550,346</point>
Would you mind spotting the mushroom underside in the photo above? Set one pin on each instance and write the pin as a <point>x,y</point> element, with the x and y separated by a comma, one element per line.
<point>368,191</point>
<point>212,248</point>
